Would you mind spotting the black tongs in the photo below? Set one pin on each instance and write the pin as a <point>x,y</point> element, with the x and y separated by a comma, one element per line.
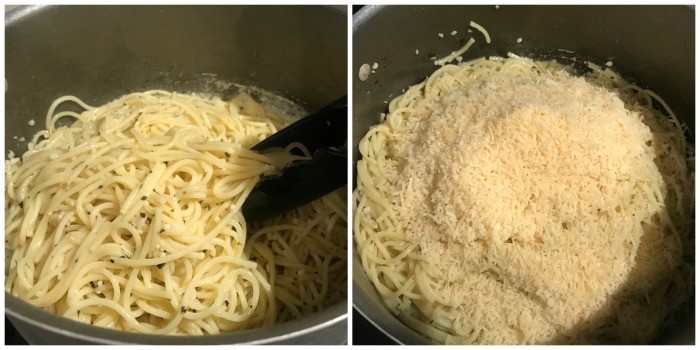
<point>324,133</point>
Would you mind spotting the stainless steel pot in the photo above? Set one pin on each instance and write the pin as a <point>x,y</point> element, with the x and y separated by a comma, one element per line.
<point>102,52</point>
<point>652,45</point>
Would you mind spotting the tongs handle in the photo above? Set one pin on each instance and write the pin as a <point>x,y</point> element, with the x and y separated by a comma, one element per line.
<point>328,127</point>
<point>324,133</point>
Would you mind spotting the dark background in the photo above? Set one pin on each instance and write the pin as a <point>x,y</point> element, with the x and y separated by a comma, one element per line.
<point>364,333</point>
<point>12,337</point>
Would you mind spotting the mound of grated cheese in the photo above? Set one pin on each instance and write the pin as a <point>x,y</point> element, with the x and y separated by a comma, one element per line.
<point>532,201</point>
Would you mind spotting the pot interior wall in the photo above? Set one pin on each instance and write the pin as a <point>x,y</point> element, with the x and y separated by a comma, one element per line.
<point>653,46</point>
<point>99,53</point>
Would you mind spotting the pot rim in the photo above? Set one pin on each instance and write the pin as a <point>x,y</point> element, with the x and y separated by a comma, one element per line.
<point>18,309</point>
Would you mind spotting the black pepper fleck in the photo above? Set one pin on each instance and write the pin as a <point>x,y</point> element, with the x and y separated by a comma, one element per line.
<point>226,303</point>
<point>227,154</point>
<point>143,198</point>
<point>21,204</point>
<point>183,310</point>
<point>143,215</point>
<point>93,284</point>
<point>111,260</point>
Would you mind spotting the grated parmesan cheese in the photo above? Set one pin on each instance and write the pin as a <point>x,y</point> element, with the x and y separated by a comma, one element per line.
<point>364,72</point>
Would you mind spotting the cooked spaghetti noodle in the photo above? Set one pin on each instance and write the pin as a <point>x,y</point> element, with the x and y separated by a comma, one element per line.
<point>507,201</point>
<point>130,219</point>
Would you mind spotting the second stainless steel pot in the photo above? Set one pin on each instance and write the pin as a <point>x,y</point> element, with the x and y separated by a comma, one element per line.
<point>652,45</point>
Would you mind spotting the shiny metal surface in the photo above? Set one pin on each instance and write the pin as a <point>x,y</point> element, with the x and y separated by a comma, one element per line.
<point>101,52</point>
<point>651,45</point>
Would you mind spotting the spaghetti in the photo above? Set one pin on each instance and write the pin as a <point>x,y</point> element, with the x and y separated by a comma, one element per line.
<point>130,219</point>
<point>507,201</point>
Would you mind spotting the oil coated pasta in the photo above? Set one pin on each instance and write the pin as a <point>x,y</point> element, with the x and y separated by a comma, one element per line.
<point>130,219</point>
